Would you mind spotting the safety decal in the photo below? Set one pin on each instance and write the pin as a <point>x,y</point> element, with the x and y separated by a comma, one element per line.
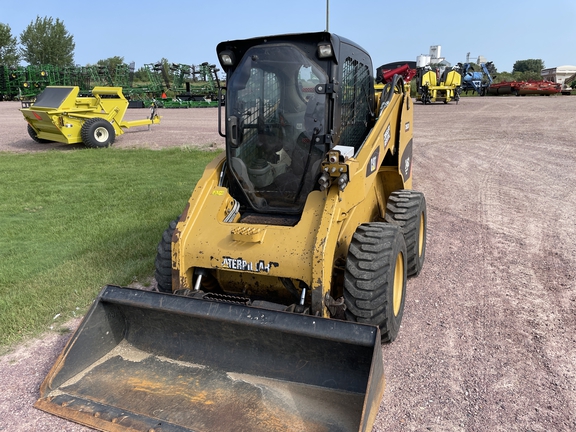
<point>242,265</point>
<point>406,162</point>
<point>387,135</point>
<point>373,162</point>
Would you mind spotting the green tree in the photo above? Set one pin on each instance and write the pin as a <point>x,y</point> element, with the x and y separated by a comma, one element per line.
<point>504,76</point>
<point>491,69</point>
<point>530,65</point>
<point>111,64</point>
<point>141,75</point>
<point>9,55</point>
<point>529,76</point>
<point>47,42</point>
<point>162,68</point>
<point>518,76</point>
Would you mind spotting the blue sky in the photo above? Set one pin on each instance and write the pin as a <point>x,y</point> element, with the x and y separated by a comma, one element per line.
<point>182,31</point>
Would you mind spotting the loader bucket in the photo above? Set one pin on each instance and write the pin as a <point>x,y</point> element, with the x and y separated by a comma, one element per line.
<point>150,361</point>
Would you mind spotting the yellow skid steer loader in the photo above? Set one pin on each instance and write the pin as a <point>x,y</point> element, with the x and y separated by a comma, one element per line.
<point>283,274</point>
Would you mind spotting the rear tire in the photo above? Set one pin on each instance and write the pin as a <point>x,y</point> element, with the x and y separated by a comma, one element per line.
<point>34,136</point>
<point>407,209</point>
<point>375,278</point>
<point>163,263</point>
<point>97,133</point>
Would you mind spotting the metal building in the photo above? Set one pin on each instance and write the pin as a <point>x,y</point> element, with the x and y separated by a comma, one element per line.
<point>564,75</point>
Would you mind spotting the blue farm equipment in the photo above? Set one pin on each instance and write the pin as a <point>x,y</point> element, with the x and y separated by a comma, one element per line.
<point>477,81</point>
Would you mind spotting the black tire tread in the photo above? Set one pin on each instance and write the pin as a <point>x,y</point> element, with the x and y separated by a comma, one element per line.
<point>87,133</point>
<point>403,209</point>
<point>366,287</point>
<point>163,262</point>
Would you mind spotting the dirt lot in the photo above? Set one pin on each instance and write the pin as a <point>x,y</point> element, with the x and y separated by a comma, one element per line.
<point>488,341</point>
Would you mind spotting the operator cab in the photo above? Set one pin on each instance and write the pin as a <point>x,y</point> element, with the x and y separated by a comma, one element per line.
<point>288,102</point>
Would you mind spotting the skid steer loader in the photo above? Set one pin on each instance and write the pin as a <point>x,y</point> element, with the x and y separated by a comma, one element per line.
<point>285,271</point>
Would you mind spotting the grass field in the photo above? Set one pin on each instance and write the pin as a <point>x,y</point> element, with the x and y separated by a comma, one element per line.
<point>74,221</point>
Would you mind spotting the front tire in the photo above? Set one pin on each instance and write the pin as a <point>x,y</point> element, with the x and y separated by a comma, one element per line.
<point>407,209</point>
<point>375,278</point>
<point>163,262</point>
<point>97,133</point>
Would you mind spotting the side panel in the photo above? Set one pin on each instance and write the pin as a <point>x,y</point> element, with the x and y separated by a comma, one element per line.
<point>364,198</point>
<point>405,141</point>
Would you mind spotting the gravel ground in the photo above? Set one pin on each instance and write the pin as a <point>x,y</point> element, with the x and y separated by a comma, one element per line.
<point>488,341</point>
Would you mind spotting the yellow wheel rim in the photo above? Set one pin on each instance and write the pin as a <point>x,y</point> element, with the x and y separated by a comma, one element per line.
<point>398,283</point>
<point>421,236</point>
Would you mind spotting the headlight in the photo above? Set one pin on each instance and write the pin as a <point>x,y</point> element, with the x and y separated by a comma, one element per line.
<point>325,50</point>
<point>227,58</point>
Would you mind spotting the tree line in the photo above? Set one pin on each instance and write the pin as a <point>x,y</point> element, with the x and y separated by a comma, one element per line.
<point>45,41</point>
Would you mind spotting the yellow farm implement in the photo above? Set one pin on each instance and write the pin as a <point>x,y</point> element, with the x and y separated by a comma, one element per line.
<point>60,115</point>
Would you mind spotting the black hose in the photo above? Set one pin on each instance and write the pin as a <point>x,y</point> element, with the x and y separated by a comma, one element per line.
<point>389,89</point>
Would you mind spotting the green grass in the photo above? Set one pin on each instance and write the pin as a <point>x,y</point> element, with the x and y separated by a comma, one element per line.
<point>74,221</point>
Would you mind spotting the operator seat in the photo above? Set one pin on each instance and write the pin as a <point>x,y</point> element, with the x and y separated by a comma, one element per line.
<point>300,149</point>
